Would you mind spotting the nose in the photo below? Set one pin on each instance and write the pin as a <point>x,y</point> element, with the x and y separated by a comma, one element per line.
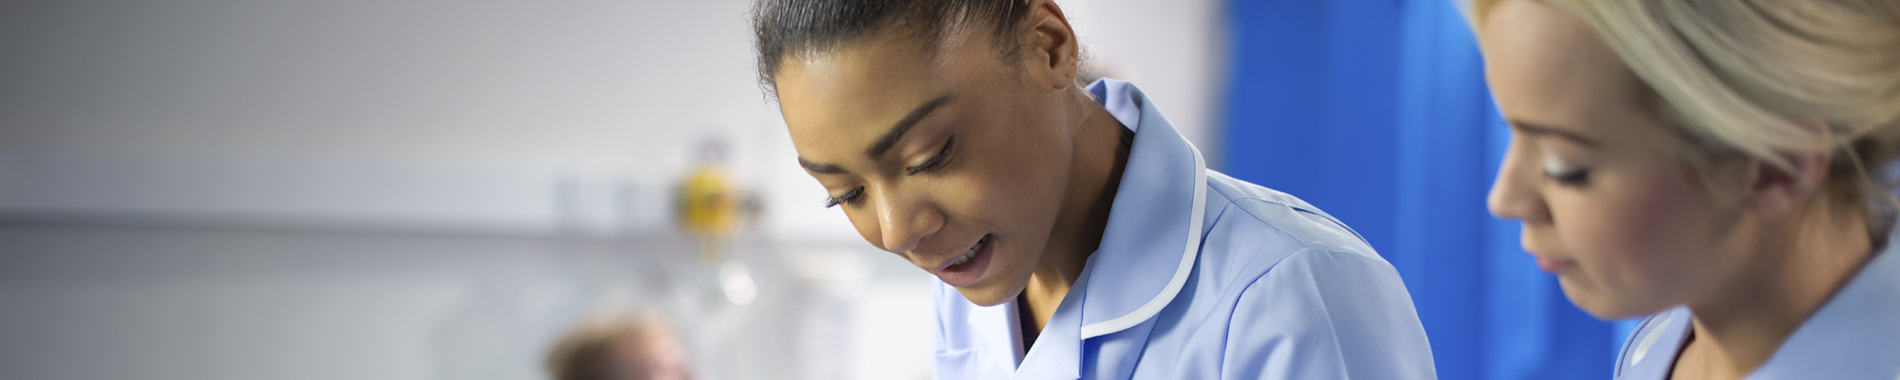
<point>1514,193</point>
<point>905,221</point>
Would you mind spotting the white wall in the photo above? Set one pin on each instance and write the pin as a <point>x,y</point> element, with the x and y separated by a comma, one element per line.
<point>1175,50</point>
<point>603,93</point>
<point>414,189</point>
<point>596,86</point>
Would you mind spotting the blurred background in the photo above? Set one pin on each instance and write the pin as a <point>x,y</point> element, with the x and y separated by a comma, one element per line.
<point>429,189</point>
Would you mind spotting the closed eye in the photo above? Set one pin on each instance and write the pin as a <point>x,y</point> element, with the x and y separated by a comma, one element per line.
<point>849,197</point>
<point>935,161</point>
<point>1565,173</point>
<point>1576,177</point>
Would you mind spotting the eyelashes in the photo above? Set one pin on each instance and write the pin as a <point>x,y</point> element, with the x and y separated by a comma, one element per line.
<point>935,162</point>
<point>849,197</point>
<point>1565,173</point>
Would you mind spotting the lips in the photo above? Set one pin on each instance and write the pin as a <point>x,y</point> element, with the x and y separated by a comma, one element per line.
<point>1552,265</point>
<point>968,267</point>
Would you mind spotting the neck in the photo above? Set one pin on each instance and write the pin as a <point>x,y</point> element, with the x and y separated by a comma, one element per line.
<point>1792,276</point>
<point>1100,157</point>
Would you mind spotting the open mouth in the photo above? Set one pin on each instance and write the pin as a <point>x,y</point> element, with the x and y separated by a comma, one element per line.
<point>967,267</point>
<point>970,253</point>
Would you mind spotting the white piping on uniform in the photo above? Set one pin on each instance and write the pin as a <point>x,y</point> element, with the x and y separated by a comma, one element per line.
<point>1180,273</point>
<point>1642,349</point>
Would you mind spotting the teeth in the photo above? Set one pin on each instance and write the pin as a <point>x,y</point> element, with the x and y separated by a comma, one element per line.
<point>970,253</point>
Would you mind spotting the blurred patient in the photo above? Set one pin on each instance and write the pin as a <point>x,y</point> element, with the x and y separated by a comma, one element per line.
<point>1718,166</point>
<point>626,348</point>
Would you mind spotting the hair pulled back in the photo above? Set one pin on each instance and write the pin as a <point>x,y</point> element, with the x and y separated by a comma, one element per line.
<point>785,29</point>
<point>1734,76</point>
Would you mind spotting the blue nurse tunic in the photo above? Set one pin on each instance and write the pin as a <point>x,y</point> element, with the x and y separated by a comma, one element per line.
<point>1855,335</point>
<point>1200,276</point>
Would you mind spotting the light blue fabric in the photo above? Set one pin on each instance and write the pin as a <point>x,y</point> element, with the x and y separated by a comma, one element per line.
<point>1200,276</point>
<point>1855,335</point>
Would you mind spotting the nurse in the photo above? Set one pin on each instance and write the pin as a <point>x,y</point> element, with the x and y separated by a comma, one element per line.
<point>1076,234</point>
<point>1716,165</point>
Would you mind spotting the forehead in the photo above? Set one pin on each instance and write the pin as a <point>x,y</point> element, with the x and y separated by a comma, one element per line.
<point>1545,64</point>
<point>841,101</point>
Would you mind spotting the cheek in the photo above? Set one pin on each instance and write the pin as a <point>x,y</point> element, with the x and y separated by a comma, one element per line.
<point>1636,244</point>
<point>1016,201</point>
<point>1631,222</point>
<point>1614,236</point>
<point>1015,181</point>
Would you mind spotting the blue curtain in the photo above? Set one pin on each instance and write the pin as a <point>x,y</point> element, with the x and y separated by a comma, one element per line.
<point>1377,112</point>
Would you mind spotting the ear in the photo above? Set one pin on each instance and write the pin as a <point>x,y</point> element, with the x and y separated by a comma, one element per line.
<point>1776,191</point>
<point>1052,50</point>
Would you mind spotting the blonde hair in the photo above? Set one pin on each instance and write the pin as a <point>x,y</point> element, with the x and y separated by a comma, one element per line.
<point>1733,74</point>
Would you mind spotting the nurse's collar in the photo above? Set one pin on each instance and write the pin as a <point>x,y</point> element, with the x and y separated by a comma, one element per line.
<point>889,139</point>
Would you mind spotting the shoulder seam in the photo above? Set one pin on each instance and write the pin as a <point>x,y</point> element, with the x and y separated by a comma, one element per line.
<point>1227,335</point>
<point>1336,222</point>
<point>1235,203</point>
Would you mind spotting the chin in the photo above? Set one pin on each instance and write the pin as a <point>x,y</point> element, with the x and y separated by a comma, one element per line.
<point>1605,306</point>
<point>988,294</point>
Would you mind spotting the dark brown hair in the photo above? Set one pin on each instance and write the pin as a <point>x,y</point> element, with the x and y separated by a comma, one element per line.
<point>790,28</point>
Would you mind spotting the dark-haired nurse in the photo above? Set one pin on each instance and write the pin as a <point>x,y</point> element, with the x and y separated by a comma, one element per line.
<point>1074,231</point>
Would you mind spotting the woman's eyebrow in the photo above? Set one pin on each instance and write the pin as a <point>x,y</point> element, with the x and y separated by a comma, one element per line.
<point>1542,129</point>
<point>819,168</point>
<point>889,139</point>
<point>903,125</point>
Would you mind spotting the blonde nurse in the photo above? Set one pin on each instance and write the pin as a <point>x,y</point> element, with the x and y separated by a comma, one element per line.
<point>1717,166</point>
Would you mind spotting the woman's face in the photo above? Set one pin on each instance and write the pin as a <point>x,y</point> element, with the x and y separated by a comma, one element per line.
<point>955,157</point>
<point>1607,201</point>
